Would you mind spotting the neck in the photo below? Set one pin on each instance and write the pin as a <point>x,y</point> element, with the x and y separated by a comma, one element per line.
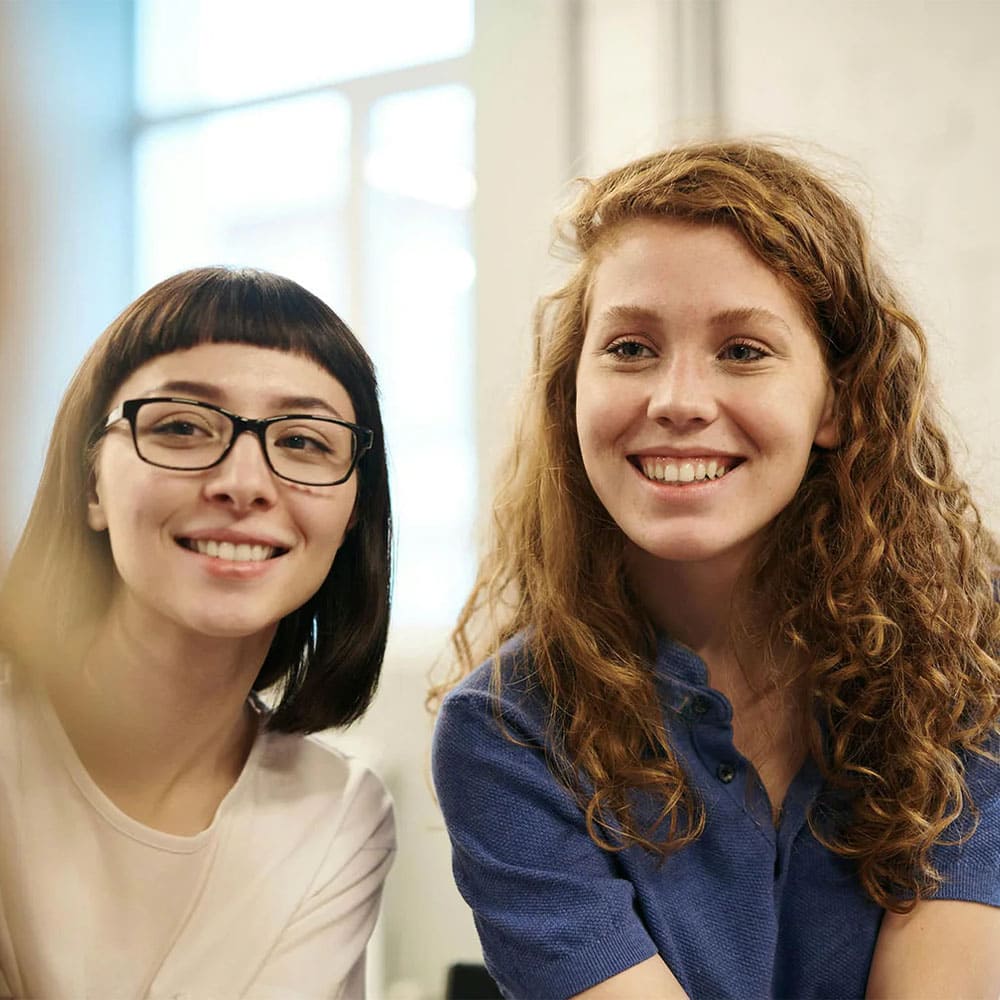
<point>695,603</point>
<point>706,605</point>
<point>151,710</point>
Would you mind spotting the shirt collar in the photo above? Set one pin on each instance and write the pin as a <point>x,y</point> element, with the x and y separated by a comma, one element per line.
<point>682,683</point>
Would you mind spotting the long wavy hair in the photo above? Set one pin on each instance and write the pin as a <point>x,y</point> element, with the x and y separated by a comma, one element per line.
<point>879,572</point>
<point>325,658</point>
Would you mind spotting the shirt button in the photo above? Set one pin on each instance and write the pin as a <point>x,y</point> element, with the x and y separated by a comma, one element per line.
<point>725,773</point>
<point>700,705</point>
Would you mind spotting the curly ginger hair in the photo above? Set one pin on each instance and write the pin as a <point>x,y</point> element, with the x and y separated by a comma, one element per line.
<point>879,570</point>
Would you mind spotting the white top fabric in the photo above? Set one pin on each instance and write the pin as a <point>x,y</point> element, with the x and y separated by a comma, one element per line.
<point>276,900</point>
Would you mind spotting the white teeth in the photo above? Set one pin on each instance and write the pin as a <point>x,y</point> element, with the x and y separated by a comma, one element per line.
<point>234,553</point>
<point>667,471</point>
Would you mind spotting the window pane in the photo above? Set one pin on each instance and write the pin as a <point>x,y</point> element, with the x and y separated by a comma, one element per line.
<point>198,52</point>
<point>264,187</point>
<point>419,274</point>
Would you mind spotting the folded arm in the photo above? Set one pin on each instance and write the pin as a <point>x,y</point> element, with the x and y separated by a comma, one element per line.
<point>943,948</point>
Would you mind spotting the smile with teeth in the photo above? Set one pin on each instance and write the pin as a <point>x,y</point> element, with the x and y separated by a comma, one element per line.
<point>241,552</point>
<point>687,470</point>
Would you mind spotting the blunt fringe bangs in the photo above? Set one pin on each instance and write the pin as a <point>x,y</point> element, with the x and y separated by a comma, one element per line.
<point>325,659</point>
<point>880,571</point>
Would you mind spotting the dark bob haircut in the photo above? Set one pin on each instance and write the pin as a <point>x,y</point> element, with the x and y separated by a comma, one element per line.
<point>325,658</point>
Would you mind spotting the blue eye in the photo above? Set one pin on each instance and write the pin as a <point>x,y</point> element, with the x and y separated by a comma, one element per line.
<point>743,351</point>
<point>629,350</point>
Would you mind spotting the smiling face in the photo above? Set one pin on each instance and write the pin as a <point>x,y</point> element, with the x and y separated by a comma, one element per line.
<point>226,551</point>
<point>700,391</point>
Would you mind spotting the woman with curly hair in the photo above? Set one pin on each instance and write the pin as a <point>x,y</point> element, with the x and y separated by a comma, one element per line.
<point>203,580</point>
<point>738,732</point>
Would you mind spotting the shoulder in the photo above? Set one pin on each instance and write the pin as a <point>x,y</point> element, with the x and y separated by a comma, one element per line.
<point>308,776</point>
<point>982,778</point>
<point>492,752</point>
<point>969,856</point>
<point>502,690</point>
<point>491,717</point>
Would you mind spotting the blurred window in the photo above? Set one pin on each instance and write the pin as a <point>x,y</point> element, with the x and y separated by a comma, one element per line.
<point>344,160</point>
<point>196,53</point>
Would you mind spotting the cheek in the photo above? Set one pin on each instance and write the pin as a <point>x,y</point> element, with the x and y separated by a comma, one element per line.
<point>599,428</point>
<point>602,415</point>
<point>326,520</point>
<point>781,422</point>
<point>133,536</point>
<point>588,436</point>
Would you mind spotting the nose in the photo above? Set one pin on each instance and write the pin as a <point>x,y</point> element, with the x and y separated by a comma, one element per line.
<point>683,392</point>
<point>243,478</point>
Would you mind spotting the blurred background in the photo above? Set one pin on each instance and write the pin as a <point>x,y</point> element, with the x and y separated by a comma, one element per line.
<point>404,160</point>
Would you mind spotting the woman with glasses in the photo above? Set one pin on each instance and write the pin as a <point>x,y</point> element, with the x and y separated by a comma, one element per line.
<point>738,734</point>
<point>202,582</point>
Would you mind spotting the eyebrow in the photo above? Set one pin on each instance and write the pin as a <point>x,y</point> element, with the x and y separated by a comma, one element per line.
<point>628,314</point>
<point>213,394</point>
<point>724,318</point>
<point>748,314</point>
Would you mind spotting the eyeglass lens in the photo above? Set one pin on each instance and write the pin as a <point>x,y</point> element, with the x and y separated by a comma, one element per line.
<point>187,436</point>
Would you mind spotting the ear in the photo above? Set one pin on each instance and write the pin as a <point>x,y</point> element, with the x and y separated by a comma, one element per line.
<point>827,434</point>
<point>96,517</point>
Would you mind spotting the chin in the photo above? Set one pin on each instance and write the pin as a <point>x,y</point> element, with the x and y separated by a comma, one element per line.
<point>688,549</point>
<point>231,627</point>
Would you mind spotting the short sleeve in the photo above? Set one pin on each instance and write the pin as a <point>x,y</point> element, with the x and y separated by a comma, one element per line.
<point>553,915</point>
<point>971,869</point>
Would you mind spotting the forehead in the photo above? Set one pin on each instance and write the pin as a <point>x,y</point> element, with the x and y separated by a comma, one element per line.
<point>252,380</point>
<point>689,270</point>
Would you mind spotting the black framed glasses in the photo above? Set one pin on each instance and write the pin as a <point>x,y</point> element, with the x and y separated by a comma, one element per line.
<point>188,435</point>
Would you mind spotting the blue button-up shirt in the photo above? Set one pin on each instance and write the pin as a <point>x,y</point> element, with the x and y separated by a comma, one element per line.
<point>747,910</point>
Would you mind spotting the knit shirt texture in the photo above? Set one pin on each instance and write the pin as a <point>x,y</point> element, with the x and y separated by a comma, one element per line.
<point>747,910</point>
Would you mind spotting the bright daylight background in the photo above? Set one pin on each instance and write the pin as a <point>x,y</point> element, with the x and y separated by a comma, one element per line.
<point>404,160</point>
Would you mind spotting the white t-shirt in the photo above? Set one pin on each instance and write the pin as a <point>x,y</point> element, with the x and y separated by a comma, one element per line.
<point>275,900</point>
